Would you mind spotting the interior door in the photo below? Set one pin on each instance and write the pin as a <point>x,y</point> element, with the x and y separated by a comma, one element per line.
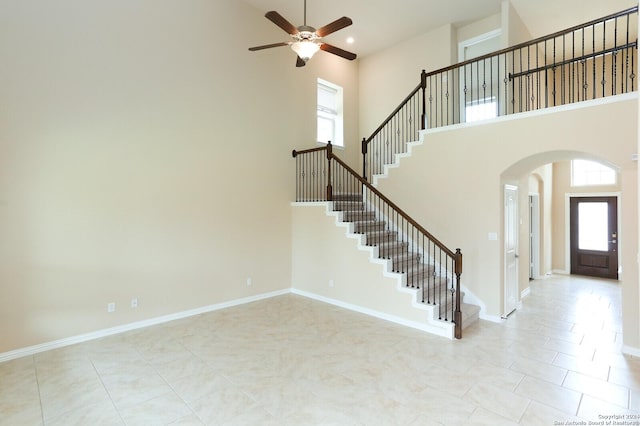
<point>594,236</point>
<point>511,248</point>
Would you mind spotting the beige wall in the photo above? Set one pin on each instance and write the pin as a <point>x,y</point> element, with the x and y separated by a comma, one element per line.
<point>330,266</point>
<point>145,152</point>
<point>387,77</point>
<point>477,28</point>
<point>514,30</point>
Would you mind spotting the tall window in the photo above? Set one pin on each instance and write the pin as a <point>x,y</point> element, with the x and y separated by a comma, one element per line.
<point>585,173</point>
<point>330,113</point>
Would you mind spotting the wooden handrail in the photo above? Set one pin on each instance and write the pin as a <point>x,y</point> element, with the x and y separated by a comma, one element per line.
<point>395,111</point>
<point>295,153</point>
<point>391,204</point>
<point>409,219</point>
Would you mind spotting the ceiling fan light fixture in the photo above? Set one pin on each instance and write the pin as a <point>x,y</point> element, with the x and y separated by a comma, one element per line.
<point>305,49</point>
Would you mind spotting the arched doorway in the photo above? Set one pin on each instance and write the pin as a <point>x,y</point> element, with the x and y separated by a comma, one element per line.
<point>546,178</point>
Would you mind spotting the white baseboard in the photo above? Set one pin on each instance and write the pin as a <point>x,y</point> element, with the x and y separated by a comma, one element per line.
<point>444,331</point>
<point>526,292</point>
<point>492,318</point>
<point>630,350</point>
<point>35,349</point>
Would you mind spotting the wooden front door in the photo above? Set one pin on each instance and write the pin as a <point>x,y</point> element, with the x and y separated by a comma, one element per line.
<point>594,236</point>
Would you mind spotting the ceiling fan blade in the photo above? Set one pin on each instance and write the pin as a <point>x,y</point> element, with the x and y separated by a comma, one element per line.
<point>336,25</point>
<point>268,46</point>
<point>300,62</point>
<point>280,21</point>
<point>337,51</point>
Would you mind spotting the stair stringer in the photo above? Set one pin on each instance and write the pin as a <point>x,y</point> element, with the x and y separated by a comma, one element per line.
<point>470,297</point>
<point>432,325</point>
<point>397,158</point>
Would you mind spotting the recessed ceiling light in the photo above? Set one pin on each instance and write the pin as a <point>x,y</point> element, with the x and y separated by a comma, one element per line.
<point>350,40</point>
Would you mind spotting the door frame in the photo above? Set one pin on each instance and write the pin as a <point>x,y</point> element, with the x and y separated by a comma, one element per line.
<point>567,223</point>
<point>462,45</point>
<point>534,236</point>
<point>507,309</point>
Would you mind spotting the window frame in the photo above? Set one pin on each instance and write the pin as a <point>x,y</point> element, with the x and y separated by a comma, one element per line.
<point>334,116</point>
<point>601,170</point>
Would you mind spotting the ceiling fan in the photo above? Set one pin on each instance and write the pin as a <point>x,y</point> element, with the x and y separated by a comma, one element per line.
<point>307,40</point>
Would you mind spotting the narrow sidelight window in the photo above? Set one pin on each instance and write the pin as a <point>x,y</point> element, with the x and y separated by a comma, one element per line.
<point>329,114</point>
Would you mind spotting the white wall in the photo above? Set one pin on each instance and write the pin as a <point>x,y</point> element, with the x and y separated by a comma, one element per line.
<point>145,152</point>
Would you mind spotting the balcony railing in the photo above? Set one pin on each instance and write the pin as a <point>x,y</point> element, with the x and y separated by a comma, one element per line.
<point>585,62</point>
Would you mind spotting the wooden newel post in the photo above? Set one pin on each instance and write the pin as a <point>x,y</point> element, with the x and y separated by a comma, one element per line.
<point>423,86</point>
<point>329,187</point>
<point>457,315</point>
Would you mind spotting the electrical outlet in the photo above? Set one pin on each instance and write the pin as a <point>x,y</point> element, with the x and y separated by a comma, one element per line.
<point>111,307</point>
<point>249,282</point>
<point>134,302</point>
<point>330,283</point>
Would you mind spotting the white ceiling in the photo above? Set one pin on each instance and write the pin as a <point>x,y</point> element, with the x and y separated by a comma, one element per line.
<point>378,24</point>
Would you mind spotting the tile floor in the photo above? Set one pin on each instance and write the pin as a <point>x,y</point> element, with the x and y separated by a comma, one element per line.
<point>295,361</point>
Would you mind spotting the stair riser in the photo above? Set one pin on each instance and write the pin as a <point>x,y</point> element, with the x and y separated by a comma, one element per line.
<point>363,228</point>
<point>391,250</point>
<point>381,238</point>
<point>357,216</point>
<point>346,197</point>
<point>348,206</point>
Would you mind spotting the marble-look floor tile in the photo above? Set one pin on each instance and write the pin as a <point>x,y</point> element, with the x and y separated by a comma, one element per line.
<point>540,370</point>
<point>127,390</point>
<point>102,413</point>
<point>600,389</point>
<point>499,401</point>
<point>562,399</point>
<point>19,411</point>
<point>226,405</point>
<point>587,367</point>
<point>540,414</point>
<point>484,417</point>
<point>309,363</point>
<point>161,410</point>
<point>591,409</point>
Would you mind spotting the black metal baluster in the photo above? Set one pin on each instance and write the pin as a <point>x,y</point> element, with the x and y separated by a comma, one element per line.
<point>593,59</point>
<point>554,72</point>
<point>604,59</point>
<point>614,58</point>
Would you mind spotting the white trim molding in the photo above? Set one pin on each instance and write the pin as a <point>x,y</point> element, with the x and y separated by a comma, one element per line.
<point>35,349</point>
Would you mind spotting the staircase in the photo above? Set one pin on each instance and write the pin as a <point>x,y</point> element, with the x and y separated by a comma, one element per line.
<point>527,78</point>
<point>432,285</point>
